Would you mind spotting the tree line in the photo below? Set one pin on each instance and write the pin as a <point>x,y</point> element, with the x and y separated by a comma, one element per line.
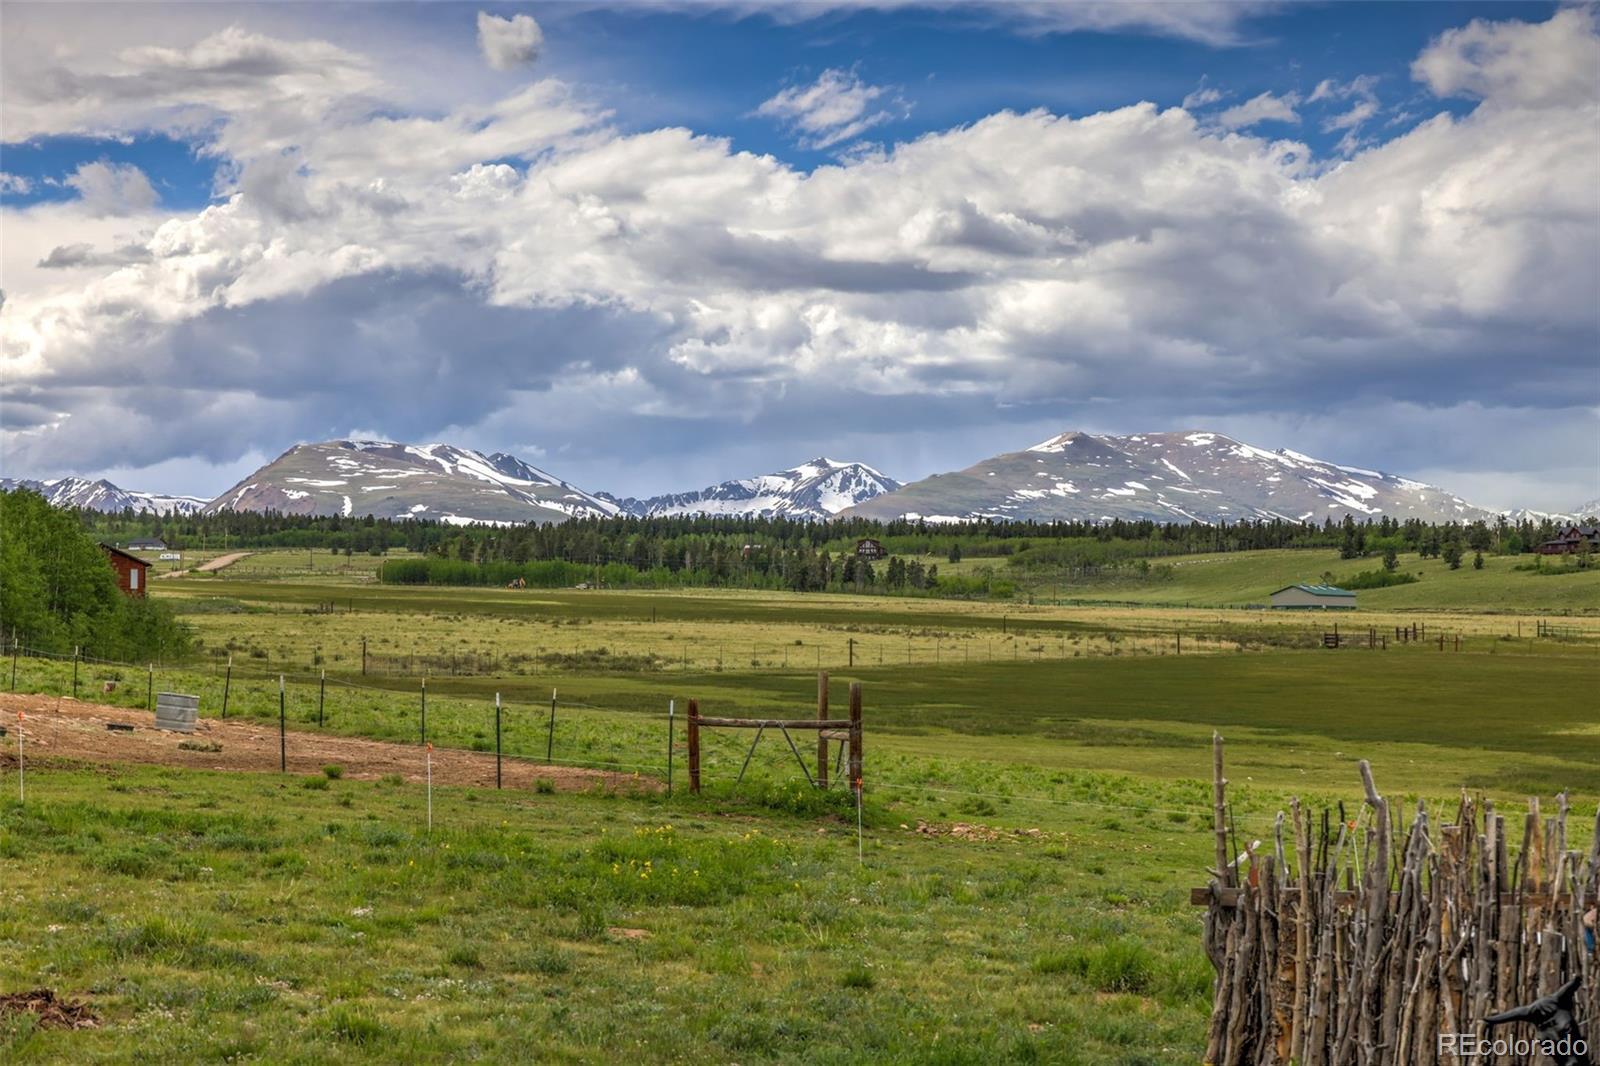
<point>782,553</point>
<point>58,590</point>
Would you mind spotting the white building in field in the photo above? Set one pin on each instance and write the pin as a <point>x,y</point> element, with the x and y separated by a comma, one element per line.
<point>1313,598</point>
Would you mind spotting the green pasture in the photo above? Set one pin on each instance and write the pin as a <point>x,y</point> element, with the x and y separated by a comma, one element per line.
<point>259,916</point>
<point>1238,578</point>
<point>1510,718</point>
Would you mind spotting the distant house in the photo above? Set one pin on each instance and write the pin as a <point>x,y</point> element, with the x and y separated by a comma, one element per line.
<point>1313,598</point>
<point>147,544</point>
<point>1571,540</point>
<point>133,573</point>
<point>867,548</point>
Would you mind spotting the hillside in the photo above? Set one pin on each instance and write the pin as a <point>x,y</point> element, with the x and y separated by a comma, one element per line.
<point>390,480</point>
<point>1193,475</point>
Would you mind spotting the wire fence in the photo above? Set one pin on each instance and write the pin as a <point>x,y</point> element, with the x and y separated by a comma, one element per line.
<point>561,732</point>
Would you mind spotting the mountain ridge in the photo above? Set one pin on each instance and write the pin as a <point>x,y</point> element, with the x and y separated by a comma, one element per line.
<point>101,495</point>
<point>1184,475</point>
<point>817,489</point>
<point>1188,475</point>
<point>391,479</point>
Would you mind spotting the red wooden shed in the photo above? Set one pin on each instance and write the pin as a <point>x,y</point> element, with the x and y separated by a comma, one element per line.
<point>133,573</point>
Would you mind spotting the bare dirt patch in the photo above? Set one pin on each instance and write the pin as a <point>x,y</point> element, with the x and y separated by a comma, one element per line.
<point>63,728</point>
<point>48,1009</point>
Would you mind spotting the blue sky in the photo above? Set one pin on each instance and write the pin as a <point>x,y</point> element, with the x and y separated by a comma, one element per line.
<point>719,238</point>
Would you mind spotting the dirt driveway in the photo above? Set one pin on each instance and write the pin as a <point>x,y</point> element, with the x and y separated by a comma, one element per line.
<point>63,728</point>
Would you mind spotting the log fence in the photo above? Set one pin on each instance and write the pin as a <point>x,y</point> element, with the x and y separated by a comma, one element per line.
<point>847,733</point>
<point>1370,942</point>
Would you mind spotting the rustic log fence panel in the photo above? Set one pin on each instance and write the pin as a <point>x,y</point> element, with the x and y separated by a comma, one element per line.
<point>1378,940</point>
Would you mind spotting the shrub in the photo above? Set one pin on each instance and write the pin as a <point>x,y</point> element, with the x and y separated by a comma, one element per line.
<point>858,977</point>
<point>356,1027</point>
<point>464,955</point>
<point>1120,965</point>
<point>1377,579</point>
<point>333,771</point>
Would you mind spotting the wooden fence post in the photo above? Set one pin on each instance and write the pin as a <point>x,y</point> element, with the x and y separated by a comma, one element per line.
<point>855,737</point>
<point>822,741</point>
<point>1219,810</point>
<point>694,746</point>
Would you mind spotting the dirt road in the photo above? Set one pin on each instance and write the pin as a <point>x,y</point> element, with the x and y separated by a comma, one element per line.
<point>221,562</point>
<point>63,728</point>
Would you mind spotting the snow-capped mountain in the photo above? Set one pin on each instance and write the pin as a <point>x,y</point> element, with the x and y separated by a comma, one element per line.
<point>815,490</point>
<point>439,482</point>
<point>1591,509</point>
<point>1193,475</point>
<point>102,495</point>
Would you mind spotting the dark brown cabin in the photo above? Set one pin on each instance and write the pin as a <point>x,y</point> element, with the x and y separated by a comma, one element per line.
<point>867,548</point>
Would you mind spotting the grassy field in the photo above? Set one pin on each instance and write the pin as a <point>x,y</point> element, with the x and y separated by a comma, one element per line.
<point>298,623</point>
<point>241,918</point>
<point>1032,822</point>
<point>1237,579</point>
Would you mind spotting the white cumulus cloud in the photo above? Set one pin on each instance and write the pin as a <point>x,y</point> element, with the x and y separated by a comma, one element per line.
<point>1514,63</point>
<point>112,188</point>
<point>1268,107</point>
<point>837,107</point>
<point>508,43</point>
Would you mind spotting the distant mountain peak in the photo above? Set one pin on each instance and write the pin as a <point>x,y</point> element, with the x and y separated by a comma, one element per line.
<point>101,495</point>
<point>817,489</point>
<point>1183,475</point>
<point>392,479</point>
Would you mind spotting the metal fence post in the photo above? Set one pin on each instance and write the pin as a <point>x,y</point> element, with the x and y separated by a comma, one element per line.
<point>550,734</point>
<point>283,742</point>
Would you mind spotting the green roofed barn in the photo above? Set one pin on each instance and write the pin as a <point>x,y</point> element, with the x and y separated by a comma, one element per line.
<point>1314,597</point>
